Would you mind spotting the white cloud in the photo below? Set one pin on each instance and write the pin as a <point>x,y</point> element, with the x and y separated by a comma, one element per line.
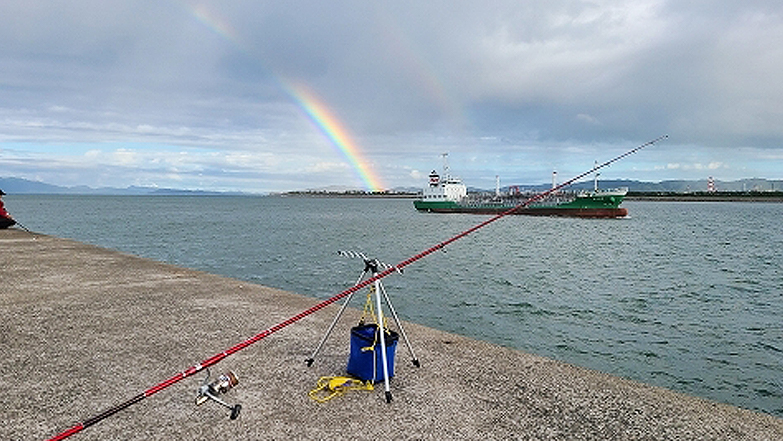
<point>587,118</point>
<point>327,167</point>
<point>694,166</point>
<point>539,84</point>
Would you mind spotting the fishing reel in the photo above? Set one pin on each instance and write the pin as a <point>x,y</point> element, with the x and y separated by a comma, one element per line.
<point>221,385</point>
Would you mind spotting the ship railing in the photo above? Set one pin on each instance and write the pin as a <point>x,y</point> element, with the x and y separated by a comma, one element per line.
<point>619,191</point>
<point>491,200</point>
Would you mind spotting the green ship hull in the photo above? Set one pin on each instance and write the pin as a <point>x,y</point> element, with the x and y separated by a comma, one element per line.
<point>592,205</point>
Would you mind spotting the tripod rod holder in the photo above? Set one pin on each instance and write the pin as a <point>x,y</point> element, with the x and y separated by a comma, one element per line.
<point>370,265</point>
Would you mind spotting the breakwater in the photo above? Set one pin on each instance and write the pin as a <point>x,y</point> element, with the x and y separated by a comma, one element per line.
<point>85,328</point>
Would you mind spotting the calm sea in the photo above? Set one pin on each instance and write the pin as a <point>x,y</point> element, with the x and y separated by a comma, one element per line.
<point>682,295</point>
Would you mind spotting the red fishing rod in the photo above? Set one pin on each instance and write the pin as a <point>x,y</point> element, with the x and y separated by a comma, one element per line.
<point>390,270</point>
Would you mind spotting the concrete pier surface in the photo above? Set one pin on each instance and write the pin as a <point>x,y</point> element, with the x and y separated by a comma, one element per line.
<point>83,329</point>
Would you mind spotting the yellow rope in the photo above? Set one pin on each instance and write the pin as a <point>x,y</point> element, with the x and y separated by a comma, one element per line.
<point>330,387</point>
<point>336,386</point>
<point>368,306</point>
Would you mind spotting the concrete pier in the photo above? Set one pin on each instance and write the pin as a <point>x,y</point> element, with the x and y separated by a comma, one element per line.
<point>83,329</point>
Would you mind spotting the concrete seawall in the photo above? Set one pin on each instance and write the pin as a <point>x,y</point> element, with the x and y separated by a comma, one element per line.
<point>83,329</point>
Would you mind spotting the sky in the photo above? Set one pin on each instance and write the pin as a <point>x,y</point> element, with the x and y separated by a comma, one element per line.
<point>267,96</point>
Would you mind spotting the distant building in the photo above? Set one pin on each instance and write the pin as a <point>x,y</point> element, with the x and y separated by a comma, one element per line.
<point>711,185</point>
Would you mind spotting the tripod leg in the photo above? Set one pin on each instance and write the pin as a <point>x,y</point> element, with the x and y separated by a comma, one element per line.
<point>310,360</point>
<point>386,386</point>
<point>399,326</point>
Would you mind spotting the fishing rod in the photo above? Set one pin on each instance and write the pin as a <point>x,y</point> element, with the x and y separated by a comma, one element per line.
<point>24,228</point>
<point>377,276</point>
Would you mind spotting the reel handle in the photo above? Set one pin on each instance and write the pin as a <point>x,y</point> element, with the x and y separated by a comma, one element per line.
<point>221,385</point>
<point>235,411</point>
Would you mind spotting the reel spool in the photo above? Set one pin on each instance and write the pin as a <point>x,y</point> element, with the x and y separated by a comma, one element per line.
<point>221,385</point>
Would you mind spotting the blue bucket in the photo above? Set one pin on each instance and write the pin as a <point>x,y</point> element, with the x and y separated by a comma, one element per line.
<point>368,365</point>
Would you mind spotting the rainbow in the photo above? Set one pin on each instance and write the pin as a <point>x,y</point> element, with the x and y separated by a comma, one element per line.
<point>315,109</point>
<point>333,129</point>
<point>214,22</point>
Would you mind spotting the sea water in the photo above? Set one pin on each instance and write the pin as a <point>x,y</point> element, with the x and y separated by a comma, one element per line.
<point>684,295</point>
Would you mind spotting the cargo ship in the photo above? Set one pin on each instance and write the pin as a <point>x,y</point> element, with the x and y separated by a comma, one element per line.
<point>450,195</point>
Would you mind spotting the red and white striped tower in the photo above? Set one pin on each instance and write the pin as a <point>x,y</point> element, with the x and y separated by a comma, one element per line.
<point>434,179</point>
<point>711,185</point>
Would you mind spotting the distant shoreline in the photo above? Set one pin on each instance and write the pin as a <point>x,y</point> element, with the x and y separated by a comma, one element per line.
<point>776,196</point>
<point>770,196</point>
<point>347,194</point>
<point>632,196</point>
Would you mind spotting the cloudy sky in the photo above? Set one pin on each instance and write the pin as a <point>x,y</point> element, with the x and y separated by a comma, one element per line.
<point>265,96</point>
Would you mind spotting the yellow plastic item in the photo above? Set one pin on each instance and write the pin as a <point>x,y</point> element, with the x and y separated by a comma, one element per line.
<point>330,387</point>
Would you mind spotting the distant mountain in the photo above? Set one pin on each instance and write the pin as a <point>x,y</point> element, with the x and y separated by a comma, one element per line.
<point>24,186</point>
<point>18,185</point>
<point>334,189</point>
<point>674,186</point>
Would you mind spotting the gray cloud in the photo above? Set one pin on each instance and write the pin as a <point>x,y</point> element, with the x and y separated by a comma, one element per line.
<point>408,79</point>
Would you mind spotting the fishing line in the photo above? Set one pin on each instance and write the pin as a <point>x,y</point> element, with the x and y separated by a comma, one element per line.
<point>267,332</point>
<point>25,228</point>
